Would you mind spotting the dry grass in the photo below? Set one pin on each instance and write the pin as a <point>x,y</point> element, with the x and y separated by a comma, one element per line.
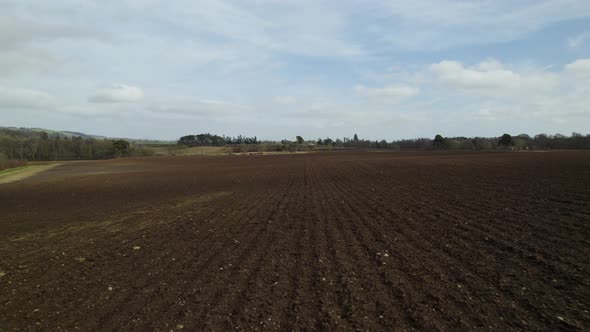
<point>224,150</point>
<point>194,151</point>
<point>204,151</point>
<point>25,172</point>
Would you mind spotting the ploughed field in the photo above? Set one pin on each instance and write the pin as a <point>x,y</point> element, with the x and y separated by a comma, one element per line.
<point>351,240</point>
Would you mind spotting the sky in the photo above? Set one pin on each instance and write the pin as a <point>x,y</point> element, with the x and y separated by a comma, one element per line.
<point>280,68</point>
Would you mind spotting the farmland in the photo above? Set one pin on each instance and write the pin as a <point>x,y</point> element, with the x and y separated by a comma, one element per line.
<point>347,240</point>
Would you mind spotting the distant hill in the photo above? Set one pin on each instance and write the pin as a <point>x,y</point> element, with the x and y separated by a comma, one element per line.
<point>65,133</point>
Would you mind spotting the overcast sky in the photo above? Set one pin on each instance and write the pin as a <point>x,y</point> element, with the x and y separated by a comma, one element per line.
<point>280,68</point>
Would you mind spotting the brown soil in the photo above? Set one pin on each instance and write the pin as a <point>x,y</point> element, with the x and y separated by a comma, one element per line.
<point>378,241</point>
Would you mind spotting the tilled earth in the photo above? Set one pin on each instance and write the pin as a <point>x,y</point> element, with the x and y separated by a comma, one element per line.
<point>350,240</point>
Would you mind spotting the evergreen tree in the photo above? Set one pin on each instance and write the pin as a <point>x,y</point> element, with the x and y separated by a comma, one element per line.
<point>506,140</point>
<point>439,141</point>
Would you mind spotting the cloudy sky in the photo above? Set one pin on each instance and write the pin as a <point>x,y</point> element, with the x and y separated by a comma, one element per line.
<point>280,68</point>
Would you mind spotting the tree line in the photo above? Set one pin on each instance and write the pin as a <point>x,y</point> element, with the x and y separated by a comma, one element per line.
<point>215,140</point>
<point>32,145</point>
<point>504,142</point>
<point>508,142</point>
<point>39,146</point>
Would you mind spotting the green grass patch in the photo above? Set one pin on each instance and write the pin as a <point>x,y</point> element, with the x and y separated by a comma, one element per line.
<point>10,170</point>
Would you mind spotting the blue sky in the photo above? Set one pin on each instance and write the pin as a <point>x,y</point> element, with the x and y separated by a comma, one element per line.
<point>276,69</point>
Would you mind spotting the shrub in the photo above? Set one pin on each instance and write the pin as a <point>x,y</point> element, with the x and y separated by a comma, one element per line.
<point>506,140</point>
<point>252,148</point>
<point>440,142</point>
<point>121,148</point>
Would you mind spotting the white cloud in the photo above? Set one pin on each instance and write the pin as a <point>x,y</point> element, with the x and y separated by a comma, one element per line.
<point>27,39</point>
<point>197,107</point>
<point>41,101</point>
<point>491,77</point>
<point>29,60</point>
<point>26,98</point>
<point>117,93</point>
<point>269,25</point>
<point>577,41</point>
<point>480,77</point>
<point>392,92</point>
<point>490,65</point>
<point>16,32</point>
<point>285,100</point>
<point>512,95</point>
<point>579,67</point>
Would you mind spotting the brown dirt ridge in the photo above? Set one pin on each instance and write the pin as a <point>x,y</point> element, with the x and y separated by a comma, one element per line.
<point>344,241</point>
